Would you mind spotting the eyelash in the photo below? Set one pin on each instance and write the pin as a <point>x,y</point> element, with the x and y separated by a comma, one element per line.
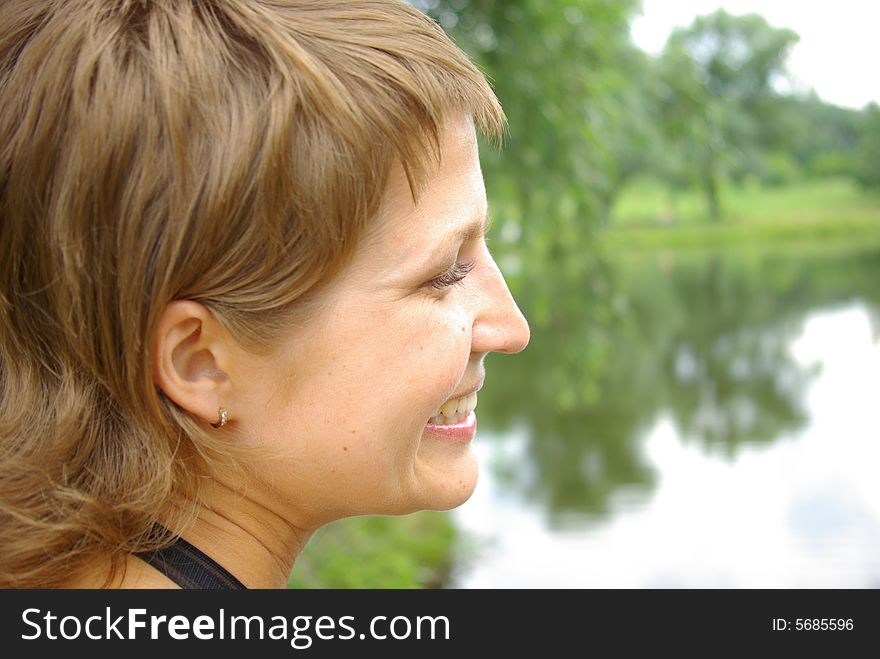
<point>455,275</point>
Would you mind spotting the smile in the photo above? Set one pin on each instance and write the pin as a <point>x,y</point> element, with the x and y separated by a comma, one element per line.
<point>455,411</point>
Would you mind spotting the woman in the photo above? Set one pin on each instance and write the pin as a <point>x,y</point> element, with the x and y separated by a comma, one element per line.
<point>245,285</point>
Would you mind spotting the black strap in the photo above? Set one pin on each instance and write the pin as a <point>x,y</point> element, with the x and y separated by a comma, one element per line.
<point>190,567</point>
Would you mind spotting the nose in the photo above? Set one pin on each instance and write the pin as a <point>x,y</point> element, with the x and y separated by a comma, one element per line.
<point>499,325</point>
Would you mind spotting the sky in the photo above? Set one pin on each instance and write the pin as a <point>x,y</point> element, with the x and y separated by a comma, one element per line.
<point>838,54</point>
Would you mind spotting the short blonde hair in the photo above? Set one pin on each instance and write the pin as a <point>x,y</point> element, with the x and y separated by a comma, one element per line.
<point>227,152</point>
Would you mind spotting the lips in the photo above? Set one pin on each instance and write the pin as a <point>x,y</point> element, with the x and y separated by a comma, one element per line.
<point>460,432</point>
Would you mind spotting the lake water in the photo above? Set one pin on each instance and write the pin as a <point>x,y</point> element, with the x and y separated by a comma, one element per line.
<point>731,437</point>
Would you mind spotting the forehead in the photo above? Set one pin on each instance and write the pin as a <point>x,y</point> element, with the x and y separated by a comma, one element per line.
<point>453,196</point>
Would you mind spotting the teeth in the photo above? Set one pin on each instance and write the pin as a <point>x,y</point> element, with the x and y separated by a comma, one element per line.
<point>467,403</point>
<point>449,408</point>
<point>454,411</point>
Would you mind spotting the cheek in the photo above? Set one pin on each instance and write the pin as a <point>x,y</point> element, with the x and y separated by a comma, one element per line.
<point>440,351</point>
<point>362,377</point>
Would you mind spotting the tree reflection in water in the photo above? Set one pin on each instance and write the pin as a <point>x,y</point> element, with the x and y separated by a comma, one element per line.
<point>702,338</point>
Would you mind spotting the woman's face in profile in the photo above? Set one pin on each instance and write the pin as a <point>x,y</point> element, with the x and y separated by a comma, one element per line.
<point>346,408</point>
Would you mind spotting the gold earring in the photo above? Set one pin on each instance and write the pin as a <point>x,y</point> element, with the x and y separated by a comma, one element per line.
<point>224,417</point>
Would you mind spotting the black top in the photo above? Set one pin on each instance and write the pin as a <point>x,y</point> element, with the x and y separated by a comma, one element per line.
<point>190,567</point>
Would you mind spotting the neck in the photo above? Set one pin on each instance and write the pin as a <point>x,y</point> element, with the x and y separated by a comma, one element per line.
<point>246,535</point>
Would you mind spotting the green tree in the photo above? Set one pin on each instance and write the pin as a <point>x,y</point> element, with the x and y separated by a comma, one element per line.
<point>631,142</point>
<point>868,163</point>
<point>557,68</point>
<point>719,101</point>
<point>820,136</point>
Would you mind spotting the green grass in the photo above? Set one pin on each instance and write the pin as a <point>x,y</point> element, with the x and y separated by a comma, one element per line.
<point>647,216</point>
<point>412,551</point>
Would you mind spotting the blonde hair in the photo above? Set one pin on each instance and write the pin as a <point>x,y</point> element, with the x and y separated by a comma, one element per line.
<point>232,153</point>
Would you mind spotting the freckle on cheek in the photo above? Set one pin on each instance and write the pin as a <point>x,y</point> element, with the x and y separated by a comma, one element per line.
<point>344,448</point>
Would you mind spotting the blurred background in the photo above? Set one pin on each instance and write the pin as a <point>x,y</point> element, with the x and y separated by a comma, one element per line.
<point>687,209</point>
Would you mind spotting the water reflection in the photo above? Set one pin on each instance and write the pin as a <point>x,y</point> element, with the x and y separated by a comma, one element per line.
<point>719,342</point>
<point>696,373</point>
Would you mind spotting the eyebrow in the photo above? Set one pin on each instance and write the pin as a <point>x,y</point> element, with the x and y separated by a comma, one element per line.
<point>473,229</point>
<point>479,226</point>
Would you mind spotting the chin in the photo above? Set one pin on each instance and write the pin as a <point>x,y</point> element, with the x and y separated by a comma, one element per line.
<point>432,485</point>
<point>453,490</point>
<point>450,502</point>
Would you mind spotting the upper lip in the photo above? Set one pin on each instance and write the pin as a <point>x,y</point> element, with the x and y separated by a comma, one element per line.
<point>468,392</point>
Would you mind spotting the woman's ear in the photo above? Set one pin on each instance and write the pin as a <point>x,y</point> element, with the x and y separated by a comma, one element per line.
<point>190,352</point>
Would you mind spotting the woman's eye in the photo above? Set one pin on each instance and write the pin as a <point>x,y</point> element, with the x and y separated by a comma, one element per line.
<point>455,275</point>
